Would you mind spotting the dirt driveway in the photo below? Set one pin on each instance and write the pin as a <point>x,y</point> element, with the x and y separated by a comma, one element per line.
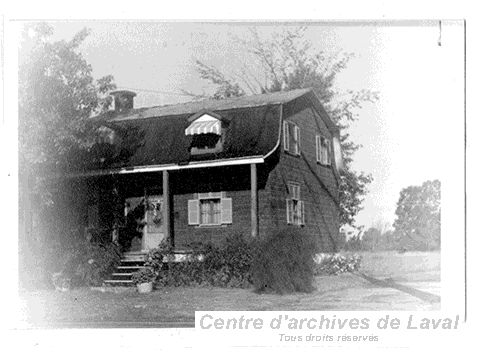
<point>386,282</point>
<point>415,270</point>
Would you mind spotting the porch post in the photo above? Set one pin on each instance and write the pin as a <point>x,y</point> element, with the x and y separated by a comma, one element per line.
<point>119,202</point>
<point>254,198</point>
<point>166,206</point>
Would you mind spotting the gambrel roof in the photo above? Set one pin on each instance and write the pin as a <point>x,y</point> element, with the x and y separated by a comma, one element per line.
<point>155,136</point>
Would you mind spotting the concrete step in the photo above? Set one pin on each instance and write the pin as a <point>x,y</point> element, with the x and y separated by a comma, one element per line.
<point>119,281</point>
<point>131,255</point>
<point>129,263</point>
<point>135,257</point>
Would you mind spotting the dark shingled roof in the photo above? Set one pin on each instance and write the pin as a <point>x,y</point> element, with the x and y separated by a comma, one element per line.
<point>159,132</point>
<point>209,104</point>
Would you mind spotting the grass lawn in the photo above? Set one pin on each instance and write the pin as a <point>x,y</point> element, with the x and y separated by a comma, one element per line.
<point>166,304</point>
<point>177,306</point>
<point>406,267</point>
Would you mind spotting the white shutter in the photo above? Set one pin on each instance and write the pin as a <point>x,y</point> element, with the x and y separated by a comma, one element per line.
<point>337,153</point>
<point>193,212</point>
<point>286,136</point>
<point>318,148</point>
<point>302,212</point>
<point>226,211</point>
<point>289,211</point>
<point>297,139</point>
<point>327,145</point>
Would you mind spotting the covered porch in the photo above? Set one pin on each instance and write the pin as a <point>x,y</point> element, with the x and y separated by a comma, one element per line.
<point>179,207</point>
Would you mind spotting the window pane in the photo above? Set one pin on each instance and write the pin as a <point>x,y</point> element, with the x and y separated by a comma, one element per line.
<point>204,212</point>
<point>292,137</point>
<point>216,212</point>
<point>295,212</point>
<point>210,211</point>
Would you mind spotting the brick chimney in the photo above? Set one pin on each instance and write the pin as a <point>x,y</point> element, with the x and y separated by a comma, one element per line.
<point>123,99</point>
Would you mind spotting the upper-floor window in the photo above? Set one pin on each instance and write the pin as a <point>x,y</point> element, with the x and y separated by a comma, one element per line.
<point>291,138</point>
<point>105,135</point>
<point>323,150</point>
<point>295,206</point>
<point>207,133</point>
<point>210,208</point>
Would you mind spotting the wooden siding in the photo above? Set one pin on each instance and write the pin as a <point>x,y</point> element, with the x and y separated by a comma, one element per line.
<point>319,186</point>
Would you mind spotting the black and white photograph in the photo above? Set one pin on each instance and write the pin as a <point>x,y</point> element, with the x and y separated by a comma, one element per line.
<point>171,167</point>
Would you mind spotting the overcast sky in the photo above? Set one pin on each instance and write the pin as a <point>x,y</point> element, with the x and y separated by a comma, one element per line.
<point>404,134</point>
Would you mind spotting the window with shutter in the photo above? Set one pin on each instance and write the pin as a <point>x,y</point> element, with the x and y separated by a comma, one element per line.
<point>295,207</point>
<point>291,138</point>
<point>210,208</point>
<point>324,153</point>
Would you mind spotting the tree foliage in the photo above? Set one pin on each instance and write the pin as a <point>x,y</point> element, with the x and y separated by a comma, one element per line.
<point>57,94</point>
<point>289,61</point>
<point>418,214</point>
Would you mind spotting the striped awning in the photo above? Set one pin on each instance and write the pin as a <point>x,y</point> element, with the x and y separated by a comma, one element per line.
<point>203,126</point>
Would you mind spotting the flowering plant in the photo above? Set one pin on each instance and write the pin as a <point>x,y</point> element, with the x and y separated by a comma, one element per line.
<point>144,275</point>
<point>334,264</point>
<point>154,259</point>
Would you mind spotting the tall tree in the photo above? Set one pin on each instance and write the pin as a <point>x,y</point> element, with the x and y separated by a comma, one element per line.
<point>57,94</point>
<point>418,214</point>
<point>290,61</point>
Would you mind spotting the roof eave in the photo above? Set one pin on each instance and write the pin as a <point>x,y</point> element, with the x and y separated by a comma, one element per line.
<point>332,127</point>
<point>166,167</point>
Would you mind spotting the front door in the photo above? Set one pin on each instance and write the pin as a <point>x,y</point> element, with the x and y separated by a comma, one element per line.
<point>153,232</point>
<point>145,216</point>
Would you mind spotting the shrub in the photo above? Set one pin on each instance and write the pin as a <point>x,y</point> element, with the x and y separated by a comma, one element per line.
<point>144,275</point>
<point>284,263</point>
<point>227,265</point>
<point>87,260</point>
<point>335,264</point>
<point>154,259</point>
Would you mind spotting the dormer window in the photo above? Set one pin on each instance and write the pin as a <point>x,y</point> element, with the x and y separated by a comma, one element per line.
<point>207,132</point>
<point>105,135</point>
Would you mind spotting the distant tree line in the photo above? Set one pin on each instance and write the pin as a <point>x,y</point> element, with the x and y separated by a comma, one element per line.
<point>416,227</point>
